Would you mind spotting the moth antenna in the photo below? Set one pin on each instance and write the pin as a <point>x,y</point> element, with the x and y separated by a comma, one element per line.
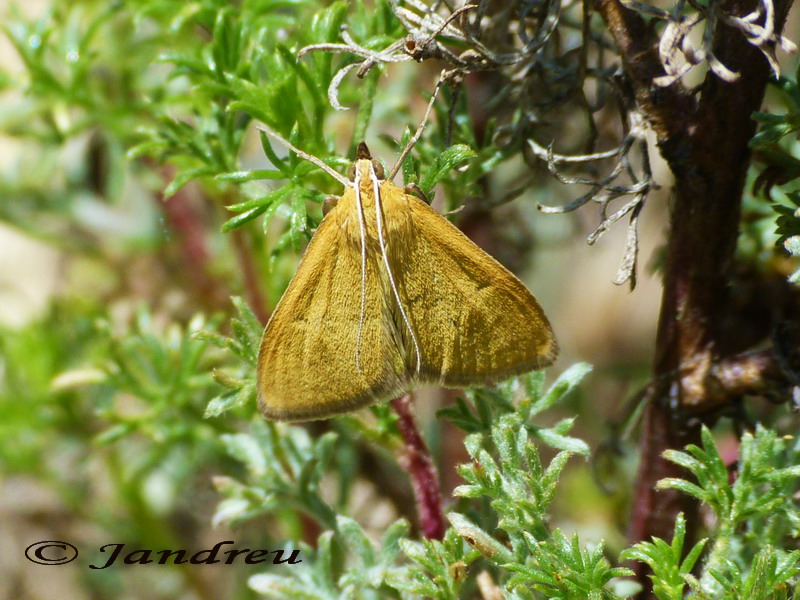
<point>312,159</point>
<point>362,232</point>
<point>379,222</point>
<point>419,131</point>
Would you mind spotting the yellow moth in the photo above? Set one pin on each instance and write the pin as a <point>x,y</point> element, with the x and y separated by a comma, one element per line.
<point>389,295</point>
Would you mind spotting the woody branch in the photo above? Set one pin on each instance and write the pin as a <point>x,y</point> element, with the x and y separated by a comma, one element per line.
<point>704,138</point>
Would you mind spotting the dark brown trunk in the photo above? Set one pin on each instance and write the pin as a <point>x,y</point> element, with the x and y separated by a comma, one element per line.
<point>705,142</point>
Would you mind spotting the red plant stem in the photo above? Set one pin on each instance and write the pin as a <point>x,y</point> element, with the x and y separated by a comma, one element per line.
<point>184,219</point>
<point>190,231</point>
<point>252,286</point>
<point>418,463</point>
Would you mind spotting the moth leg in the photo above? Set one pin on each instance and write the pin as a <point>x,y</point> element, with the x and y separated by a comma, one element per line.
<point>329,204</point>
<point>414,190</point>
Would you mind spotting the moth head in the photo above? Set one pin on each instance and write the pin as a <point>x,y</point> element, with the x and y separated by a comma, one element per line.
<point>363,157</point>
<point>362,152</point>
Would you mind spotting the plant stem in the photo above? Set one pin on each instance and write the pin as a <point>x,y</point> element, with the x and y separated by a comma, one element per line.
<point>720,553</point>
<point>183,218</point>
<point>418,463</point>
<point>252,285</point>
